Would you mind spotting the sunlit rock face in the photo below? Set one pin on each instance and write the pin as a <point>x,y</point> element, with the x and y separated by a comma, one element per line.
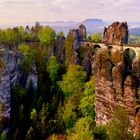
<point>116,33</point>
<point>116,85</point>
<point>117,77</point>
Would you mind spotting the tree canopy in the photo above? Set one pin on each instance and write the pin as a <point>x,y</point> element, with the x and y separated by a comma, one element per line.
<point>53,68</point>
<point>96,37</point>
<point>73,80</point>
<point>47,36</point>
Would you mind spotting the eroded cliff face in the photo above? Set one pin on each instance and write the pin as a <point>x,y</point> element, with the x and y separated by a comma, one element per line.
<point>116,84</point>
<point>10,75</point>
<point>78,35</point>
<point>116,33</point>
<point>83,51</point>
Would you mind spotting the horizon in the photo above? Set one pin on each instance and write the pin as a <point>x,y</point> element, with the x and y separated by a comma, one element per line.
<point>65,21</point>
<point>29,11</point>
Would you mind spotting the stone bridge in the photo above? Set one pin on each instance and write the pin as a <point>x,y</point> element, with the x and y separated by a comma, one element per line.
<point>117,81</point>
<point>116,47</point>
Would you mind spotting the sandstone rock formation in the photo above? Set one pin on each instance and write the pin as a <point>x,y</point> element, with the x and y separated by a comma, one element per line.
<point>82,32</point>
<point>78,35</point>
<point>59,51</point>
<point>114,88</point>
<point>11,74</point>
<point>82,49</point>
<point>116,33</point>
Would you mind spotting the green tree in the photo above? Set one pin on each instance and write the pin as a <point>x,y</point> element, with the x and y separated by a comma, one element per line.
<point>100,132</point>
<point>82,130</point>
<point>33,116</point>
<point>69,50</point>
<point>53,68</point>
<point>47,36</point>
<point>28,57</point>
<point>24,48</point>
<point>69,116</point>
<point>96,37</point>
<point>73,80</point>
<point>10,36</point>
<point>43,119</point>
<point>72,86</point>
<point>60,34</point>
<point>87,100</point>
<point>21,34</point>
<point>2,36</point>
<point>118,127</point>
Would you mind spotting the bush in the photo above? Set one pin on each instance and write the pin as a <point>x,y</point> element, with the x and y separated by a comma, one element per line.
<point>96,37</point>
<point>118,127</point>
<point>83,129</point>
<point>100,132</point>
<point>24,48</point>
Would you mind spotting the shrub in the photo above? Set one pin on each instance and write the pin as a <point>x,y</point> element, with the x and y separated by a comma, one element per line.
<point>100,132</point>
<point>82,130</point>
<point>118,127</point>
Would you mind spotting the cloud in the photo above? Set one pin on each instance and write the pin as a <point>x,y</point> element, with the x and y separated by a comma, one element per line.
<point>12,11</point>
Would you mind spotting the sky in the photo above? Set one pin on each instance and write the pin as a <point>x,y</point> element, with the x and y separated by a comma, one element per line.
<point>24,11</point>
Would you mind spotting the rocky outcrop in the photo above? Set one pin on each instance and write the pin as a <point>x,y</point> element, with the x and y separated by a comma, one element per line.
<point>87,60</point>
<point>77,36</point>
<point>116,33</point>
<point>83,51</point>
<point>5,95</point>
<point>59,51</point>
<point>109,91</point>
<point>82,32</point>
<point>10,75</point>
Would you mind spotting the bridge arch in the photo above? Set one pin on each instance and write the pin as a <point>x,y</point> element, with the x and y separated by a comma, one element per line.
<point>129,54</point>
<point>96,47</point>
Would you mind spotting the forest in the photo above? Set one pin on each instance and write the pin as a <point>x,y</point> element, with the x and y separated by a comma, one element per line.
<point>61,105</point>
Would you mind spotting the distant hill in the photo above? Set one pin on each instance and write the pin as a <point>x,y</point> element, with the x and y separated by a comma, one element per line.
<point>92,25</point>
<point>135,31</point>
<point>59,23</point>
<point>93,22</point>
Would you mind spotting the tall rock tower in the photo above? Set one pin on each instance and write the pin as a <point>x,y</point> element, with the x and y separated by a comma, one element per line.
<point>117,33</point>
<point>82,32</point>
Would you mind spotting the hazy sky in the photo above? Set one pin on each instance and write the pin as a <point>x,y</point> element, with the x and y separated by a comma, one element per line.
<point>19,11</point>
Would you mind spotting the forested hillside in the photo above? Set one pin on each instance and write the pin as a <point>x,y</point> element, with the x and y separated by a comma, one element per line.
<point>50,93</point>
